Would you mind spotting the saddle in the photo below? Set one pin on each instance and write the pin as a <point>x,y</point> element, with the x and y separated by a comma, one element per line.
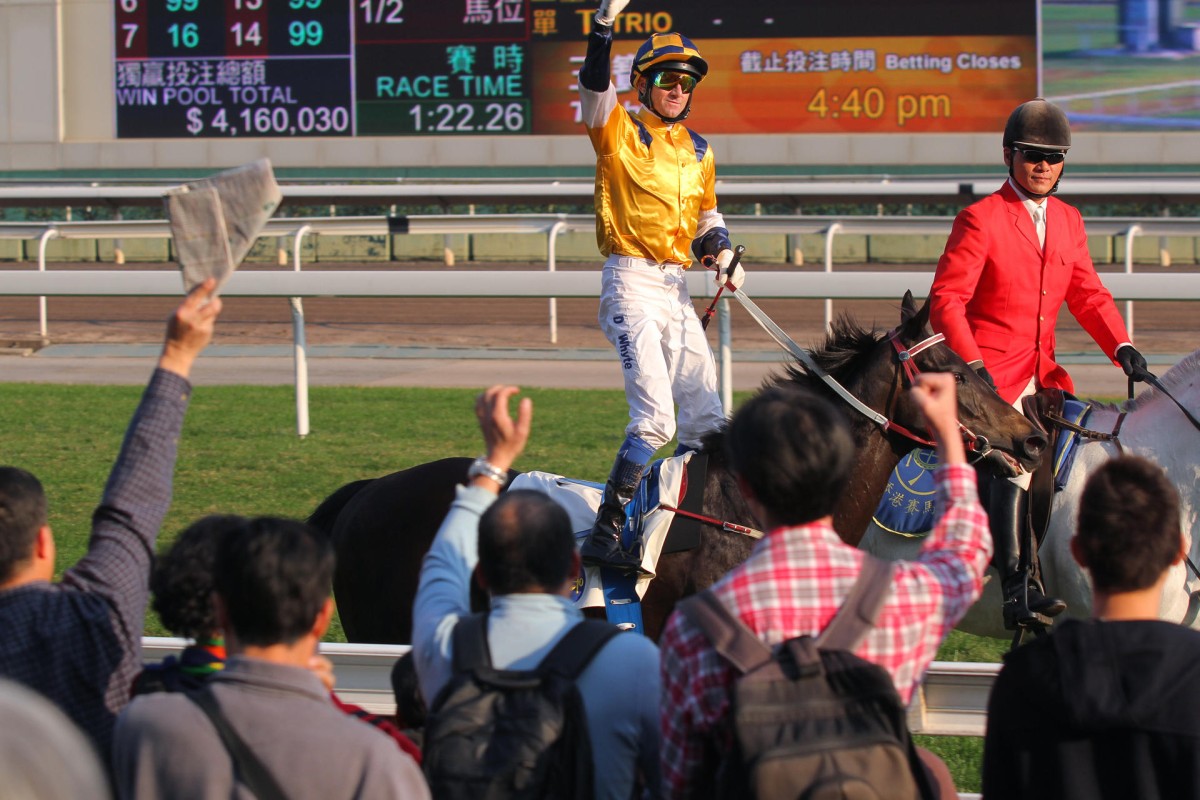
<point>670,483</point>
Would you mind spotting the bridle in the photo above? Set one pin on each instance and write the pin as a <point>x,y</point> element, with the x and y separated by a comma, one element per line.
<point>974,442</point>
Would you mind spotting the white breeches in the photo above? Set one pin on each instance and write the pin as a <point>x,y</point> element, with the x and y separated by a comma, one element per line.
<point>647,314</point>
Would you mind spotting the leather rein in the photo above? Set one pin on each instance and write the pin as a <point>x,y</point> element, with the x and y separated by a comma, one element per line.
<point>972,441</point>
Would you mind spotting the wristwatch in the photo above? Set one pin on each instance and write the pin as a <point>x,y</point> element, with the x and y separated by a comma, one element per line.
<point>481,467</point>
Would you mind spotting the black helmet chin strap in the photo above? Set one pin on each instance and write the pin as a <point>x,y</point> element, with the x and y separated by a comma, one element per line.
<point>644,97</point>
<point>1035,195</point>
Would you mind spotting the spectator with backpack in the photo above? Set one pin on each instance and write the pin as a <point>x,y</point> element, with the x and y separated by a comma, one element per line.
<point>1106,707</point>
<point>521,549</point>
<point>791,452</point>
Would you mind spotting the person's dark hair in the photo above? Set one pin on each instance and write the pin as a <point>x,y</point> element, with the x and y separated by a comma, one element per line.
<point>182,580</point>
<point>22,513</point>
<point>410,705</point>
<point>794,450</point>
<point>274,576</point>
<point>525,543</point>
<point>1129,526</point>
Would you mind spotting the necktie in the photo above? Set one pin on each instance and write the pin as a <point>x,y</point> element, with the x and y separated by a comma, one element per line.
<point>1039,222</point>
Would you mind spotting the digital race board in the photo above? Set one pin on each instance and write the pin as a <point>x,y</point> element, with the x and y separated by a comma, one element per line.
<point>296,68</point>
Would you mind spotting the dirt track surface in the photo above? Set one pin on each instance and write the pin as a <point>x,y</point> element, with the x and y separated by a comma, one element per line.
<point>1166,328</point>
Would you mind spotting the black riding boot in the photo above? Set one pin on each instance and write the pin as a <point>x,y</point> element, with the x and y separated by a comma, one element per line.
<point>603,545</point>
<point>1025,603</point>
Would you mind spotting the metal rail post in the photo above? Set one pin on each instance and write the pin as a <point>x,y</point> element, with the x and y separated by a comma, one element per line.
<point>551,264</point>
<point>829,234</point>
<point>1132,232</point>
<point>43,240</point>
<point>301,356</point>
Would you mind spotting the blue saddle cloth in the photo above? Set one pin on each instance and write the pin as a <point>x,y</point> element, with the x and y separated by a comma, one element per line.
<point>907,506</point>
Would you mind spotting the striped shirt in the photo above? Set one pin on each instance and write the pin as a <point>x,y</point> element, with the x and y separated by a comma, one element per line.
<point>793,584</point>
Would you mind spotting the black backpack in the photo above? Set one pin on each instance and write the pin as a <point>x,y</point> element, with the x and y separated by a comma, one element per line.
<point>810,719</point>
<point>510,733</point>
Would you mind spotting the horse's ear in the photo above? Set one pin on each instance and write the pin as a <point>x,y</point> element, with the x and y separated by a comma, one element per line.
<point>911,317</point>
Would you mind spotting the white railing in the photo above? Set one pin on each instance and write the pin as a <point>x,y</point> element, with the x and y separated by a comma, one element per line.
<point>474,283</point>
<point>551,284</point>
<point>952,701</point>
<point>553,225</point>
<point>581,191</point>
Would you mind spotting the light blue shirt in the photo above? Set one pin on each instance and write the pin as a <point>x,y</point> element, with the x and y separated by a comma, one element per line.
<point>620,687</point>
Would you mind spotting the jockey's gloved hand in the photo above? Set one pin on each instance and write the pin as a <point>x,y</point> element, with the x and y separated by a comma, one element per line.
<point>609,9</point>
<point>982,372</point>
<point>734,276</point>
<point>1133,362</point>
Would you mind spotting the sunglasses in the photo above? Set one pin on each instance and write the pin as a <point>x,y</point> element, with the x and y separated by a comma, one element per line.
<point>669,80</point>
<point>1038,156</point>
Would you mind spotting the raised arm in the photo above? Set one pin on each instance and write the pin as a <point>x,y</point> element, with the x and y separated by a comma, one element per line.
<point>444,591</point>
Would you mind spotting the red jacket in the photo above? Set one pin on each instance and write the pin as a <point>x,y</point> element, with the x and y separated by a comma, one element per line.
<point>996,295</point>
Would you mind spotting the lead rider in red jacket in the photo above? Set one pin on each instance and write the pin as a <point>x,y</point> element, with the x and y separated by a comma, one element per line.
<point>1012,260</point>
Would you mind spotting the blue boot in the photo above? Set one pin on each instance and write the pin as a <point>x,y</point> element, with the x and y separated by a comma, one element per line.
<point>603,545</point>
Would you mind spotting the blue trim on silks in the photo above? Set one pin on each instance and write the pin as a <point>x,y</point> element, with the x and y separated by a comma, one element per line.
<point>596,71</point>
<point>621,603</point>
<point>681,449</point>
<point>643,131</point>
<point>713,242</point>
<point>698,142</point>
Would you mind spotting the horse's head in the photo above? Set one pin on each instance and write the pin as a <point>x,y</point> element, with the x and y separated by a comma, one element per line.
<point>981,412</point>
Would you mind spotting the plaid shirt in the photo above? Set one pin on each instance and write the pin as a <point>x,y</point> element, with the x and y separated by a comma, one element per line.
<point>78,641</point>
<point>792,584</point>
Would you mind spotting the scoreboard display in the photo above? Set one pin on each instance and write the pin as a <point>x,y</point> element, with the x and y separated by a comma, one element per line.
<point>296,68</point>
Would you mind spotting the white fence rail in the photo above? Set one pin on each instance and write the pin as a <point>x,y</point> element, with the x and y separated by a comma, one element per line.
<point>952,701</point>
<point>296,284</point>
<point>335,283</point>
<point>581,191</point>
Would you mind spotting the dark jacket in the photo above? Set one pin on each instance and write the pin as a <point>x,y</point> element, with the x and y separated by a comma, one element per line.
<point>1097,710</point>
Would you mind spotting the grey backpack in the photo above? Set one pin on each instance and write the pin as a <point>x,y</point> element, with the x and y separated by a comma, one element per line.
<point>809,718</point>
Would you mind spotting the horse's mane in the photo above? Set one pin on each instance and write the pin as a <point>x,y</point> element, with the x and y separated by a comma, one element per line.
<point>846,347</point>
<point>1173,379</point>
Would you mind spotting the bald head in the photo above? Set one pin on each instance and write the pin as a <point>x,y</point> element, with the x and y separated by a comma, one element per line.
<point>525,544</point>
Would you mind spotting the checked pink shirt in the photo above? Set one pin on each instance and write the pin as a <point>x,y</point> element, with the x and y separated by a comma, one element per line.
<point>792,584</point>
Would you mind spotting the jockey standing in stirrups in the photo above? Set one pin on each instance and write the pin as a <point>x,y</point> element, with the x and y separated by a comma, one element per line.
<point>654,198</point>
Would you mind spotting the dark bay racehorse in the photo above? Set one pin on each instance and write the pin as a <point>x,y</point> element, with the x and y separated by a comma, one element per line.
<point>382,527</point>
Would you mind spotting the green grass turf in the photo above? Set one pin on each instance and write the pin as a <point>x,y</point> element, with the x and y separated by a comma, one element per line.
<point>239,454</point>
